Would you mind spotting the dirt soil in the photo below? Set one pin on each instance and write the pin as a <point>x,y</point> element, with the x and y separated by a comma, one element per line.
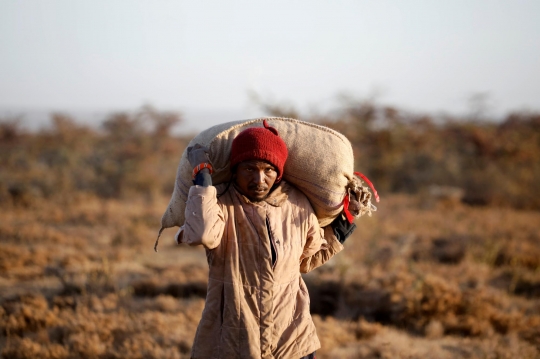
<point>422,278</point>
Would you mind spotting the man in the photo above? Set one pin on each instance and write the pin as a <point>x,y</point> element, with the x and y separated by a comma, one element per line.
<point>259,234</point>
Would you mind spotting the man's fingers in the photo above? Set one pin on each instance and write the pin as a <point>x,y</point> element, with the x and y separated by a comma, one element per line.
<point>197,146</point>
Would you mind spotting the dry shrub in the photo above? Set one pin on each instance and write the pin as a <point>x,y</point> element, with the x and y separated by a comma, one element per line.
<point>142,346</point>
<point>24,263</point>
<point>25,348</point>
<point>107,303</point>
<point>100,327</point>
<point>11,130</point>
<point>324,296</point>
<point>178,290</point>
<point>418,280</point>
<point>518,281</point>
<point>366,330</point>
<point>86,344</point>
<point>11,256</point>
<point>337,333</point>
<point>447,250</point>
<point>361,300</point>
<point>27,313</point>
<point>486,162</point>
<point>528,286</point>
<point>430,305</point>
<point>525,253</point>
<point>531,331</point>
<point>32,233</point>
<point>135,154</point>
<point>392,344</point>
<point>434,329</point>
<point>442,196</point>
<point>161,303</point>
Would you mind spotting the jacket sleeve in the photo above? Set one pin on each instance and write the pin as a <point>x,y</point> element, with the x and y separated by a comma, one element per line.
<point>321,245</point>
<point>204,222</point>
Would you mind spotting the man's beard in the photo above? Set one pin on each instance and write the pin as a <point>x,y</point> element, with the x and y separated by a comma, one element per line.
<point>253,188</point>
<point>259,188</point>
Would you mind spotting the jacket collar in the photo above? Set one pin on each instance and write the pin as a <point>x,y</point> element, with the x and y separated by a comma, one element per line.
<point>275,198</point>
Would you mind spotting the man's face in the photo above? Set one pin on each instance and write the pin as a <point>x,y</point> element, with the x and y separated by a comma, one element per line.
<point>254,179</point>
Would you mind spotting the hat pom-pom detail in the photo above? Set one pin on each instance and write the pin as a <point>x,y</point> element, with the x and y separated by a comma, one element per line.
<point>268,127</point>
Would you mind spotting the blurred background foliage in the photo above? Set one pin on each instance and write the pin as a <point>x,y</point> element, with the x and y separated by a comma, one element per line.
<point>482,161</point>
<point>130,154</point>
<point>449,267</point>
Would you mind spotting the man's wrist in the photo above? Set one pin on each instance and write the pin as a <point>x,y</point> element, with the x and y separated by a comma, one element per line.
<point>342,228</point>
<point>203,178</point>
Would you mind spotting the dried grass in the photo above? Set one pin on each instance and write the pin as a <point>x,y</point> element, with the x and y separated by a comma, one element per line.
<point>389,295</point>
<point>426,277</point>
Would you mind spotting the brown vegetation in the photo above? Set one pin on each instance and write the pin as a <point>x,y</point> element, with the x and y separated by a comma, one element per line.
<point>426,276</point>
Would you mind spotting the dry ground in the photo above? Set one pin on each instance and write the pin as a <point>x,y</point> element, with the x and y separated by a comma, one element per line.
<point>420,279</point>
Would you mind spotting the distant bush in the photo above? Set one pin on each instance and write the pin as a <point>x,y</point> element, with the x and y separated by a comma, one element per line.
<point>486,162</point>
<point>493,163</point>
<point>133,154</point>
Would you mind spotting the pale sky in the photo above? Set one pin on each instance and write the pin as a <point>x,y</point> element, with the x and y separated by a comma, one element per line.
<point>203,57</point>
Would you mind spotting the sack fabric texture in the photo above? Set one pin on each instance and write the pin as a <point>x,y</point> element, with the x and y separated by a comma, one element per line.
<point>320,164</point>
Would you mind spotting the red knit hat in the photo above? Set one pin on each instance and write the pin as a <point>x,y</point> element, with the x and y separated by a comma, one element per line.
<point>256,143</point>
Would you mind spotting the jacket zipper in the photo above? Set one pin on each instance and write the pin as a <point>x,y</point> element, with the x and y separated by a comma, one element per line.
<point>272,244</point>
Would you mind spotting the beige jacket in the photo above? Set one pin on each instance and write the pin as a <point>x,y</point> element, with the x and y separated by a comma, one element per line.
<point>255,308</point>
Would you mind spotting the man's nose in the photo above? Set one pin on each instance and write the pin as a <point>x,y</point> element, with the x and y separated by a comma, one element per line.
<point>259,177</point>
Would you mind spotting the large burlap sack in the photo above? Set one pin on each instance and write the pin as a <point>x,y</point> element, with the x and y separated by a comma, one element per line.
<point>320,164</point>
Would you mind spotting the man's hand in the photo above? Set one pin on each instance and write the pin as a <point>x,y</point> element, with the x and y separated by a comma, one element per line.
<point>342,228</point>
<point>197,154</point>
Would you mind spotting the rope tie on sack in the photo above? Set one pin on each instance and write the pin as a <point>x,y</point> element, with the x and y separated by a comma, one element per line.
<point>157,239</point>
<point>362,204</point>
<point>369,184</point>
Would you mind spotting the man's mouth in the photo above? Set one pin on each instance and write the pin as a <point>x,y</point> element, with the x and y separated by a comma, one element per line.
<point>259,189</point>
